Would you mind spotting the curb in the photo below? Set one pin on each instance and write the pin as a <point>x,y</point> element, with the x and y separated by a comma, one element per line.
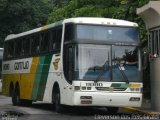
<point>132,109</point>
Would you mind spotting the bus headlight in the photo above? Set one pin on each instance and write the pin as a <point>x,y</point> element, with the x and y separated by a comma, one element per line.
<point>83,88</point>
<point>134,99</point>
<point>76,88</point>
<point>135,89</point>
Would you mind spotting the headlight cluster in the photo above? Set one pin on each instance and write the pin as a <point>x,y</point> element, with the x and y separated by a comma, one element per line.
<point>76,88</point>
<point>135,89</point>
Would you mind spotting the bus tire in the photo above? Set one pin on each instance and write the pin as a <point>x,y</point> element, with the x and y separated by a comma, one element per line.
<point>112,110</point>
<point>58,106</point>
<point>11,89</point>
<point>16,97</point>
<point>14,101</point>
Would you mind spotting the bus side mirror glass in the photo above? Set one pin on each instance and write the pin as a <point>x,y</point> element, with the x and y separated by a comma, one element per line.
<point>70,63</point>
<point>144,60</point>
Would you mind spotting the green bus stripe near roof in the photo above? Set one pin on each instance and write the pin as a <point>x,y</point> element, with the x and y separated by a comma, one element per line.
<point>37,78</point>
<point>44,77</point>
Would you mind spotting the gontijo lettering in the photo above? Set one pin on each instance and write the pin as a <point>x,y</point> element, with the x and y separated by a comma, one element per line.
<point>21,65</point>
<point>6,67</point>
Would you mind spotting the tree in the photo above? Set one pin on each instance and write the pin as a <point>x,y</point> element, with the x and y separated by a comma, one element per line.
<point>18,15</point>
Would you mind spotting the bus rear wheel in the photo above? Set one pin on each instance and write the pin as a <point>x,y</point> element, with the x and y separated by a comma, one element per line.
<point>16,97</point>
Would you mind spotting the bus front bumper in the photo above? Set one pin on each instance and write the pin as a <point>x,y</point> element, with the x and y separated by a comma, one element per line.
<point>107,99</point>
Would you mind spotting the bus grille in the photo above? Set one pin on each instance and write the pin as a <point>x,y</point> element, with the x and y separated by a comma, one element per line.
<point>110,89</point>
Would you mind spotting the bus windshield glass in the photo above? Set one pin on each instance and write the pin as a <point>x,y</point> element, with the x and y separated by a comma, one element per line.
<point>90,61</point>
<point>125,64</point>
<point>106,63</point>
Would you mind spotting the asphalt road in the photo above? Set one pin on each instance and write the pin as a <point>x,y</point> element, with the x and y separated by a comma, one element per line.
<point>44,111</point>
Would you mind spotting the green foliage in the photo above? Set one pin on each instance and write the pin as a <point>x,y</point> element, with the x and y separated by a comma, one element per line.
<point>20,15</point>
<point>88,11</point>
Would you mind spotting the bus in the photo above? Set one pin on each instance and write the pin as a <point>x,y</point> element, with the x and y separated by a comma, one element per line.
<point>84,61</point>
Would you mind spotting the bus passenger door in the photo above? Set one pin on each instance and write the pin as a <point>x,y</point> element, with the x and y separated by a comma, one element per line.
<point>68,64</point>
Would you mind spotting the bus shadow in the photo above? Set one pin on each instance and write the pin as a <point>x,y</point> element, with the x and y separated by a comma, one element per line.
<point>80,111</point>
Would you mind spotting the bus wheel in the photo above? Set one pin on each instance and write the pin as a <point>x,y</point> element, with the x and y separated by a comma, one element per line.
<point>14,101</point>
<point>112,110</point>
<point>58,106</point>
<point>16,97</point>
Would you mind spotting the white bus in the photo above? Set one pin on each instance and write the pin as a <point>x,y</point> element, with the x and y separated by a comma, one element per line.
<point>75,62</point>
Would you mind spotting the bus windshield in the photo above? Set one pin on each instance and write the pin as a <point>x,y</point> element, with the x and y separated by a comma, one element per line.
<point>107,63</point>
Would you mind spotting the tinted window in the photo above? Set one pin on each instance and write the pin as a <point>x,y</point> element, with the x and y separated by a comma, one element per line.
<point>26,46</point>
<point>35,44</point>
<point>44,37</point>
<point>56,38</point>
<point>10,49</point>
<point>18,48</point>
<point>68,35</point>
<point>107,33</point>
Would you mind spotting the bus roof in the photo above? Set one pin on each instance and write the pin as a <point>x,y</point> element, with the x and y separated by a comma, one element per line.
<point>81,20</point>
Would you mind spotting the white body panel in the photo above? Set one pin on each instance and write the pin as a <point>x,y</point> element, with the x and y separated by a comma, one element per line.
<point>107,99</point>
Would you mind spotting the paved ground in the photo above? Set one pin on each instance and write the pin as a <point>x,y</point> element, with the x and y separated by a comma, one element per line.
<point>44,111</point>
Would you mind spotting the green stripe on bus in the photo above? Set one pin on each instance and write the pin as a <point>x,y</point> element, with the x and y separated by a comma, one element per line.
<point>116,85</point>
<point>120,85</point>
<point>125,85</point>
<point>37,78</point>
<point>44,77</point>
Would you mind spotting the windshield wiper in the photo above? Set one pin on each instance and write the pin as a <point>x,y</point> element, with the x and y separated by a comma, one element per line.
<point>123,73</point>
<point>101,73</point>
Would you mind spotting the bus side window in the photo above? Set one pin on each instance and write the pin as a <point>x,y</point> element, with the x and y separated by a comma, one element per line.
<point>35,44</point>
<point>44,39</point>
<point>18,47</point>
<point>26,46</point>
<point>69,30</point>
<point>56,39</point>
<point>53,40</point>
<point>10,49</point>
